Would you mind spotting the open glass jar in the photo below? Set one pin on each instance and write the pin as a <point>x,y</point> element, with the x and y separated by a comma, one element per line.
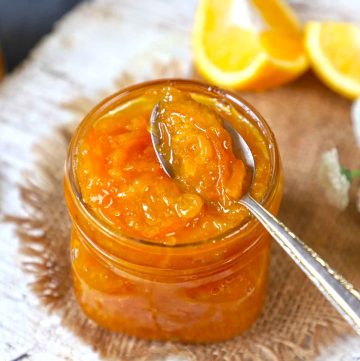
<point>201,287</point>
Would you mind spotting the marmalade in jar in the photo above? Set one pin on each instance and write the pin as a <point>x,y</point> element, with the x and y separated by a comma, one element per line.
<point>170,258</point>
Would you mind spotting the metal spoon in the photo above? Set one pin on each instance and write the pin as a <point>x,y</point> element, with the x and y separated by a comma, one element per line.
<point>333,286</point>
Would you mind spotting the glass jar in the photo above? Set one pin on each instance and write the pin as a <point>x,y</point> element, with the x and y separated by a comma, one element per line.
<point>203,291</point>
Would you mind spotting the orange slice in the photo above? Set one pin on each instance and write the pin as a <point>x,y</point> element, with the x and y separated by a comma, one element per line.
<point>334,52</point>
<point>247,44</point>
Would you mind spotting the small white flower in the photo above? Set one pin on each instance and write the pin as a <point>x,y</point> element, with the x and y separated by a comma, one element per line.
<point>355,117</point>
<point>334,183</point>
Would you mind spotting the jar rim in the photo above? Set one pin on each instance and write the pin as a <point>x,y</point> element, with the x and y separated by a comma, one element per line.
<point>108,102</point>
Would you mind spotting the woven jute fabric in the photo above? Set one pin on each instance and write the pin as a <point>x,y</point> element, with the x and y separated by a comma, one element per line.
<point>306,119</point>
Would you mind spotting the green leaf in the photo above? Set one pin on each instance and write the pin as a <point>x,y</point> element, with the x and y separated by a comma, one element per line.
<point>347,173</point>
<point>350,174</point>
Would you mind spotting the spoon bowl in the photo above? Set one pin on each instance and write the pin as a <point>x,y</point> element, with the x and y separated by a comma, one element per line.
<point>156,140</point>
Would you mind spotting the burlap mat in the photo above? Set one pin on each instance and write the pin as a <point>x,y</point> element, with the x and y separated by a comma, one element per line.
<point>297,320</point>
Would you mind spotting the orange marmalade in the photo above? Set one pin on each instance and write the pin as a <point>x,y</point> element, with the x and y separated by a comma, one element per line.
<point>170,258</point>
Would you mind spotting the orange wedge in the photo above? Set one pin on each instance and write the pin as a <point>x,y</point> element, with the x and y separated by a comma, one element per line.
<point>334,52</point>
<point>247,44</point>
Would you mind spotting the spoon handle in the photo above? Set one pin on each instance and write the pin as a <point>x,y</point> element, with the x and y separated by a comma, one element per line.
<point>334,287</point>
